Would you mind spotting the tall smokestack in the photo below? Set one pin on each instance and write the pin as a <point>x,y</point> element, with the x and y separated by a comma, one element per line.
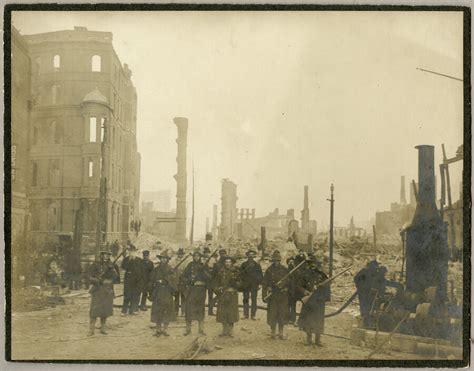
<point>229,211</point>
<point>403,198</point>
<point>214,221</point>
<point>426,207</point>
<point>305,211</point>
<point>412,194</point>
<point>426,237</point>
<point>207,225</point>
<point>181,178</point>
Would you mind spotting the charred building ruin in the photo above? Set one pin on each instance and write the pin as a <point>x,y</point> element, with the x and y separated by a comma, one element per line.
<point>228,209</point>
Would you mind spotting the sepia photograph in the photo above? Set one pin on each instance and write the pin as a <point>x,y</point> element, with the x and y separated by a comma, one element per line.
<point>238,185</point>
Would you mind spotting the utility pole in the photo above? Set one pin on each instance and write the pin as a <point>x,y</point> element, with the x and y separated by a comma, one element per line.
<point>191,235</point>
<point>331,230</point>
<point>375,241</point>
<point>102,207</point>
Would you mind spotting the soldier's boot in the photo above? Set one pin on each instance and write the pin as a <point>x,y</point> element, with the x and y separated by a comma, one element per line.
<point>273,327</point>
<point>201,328</point>
<point>188,328</point>
<point>317,340</point>
<point>309,340</point>
<point>224,330</point>
<point>91,327</point>
<point>165,330</point>
<point>230,330</point>
<point>158,329</point>
<point>103,322</point>
<point>280,332</point>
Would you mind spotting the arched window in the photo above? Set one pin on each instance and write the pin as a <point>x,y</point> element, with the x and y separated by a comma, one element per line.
<point>96,63</point>
<point>56,61</point>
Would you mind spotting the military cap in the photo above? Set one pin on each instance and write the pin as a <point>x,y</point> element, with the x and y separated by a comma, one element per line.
<point>251,251</point>
<point>276,255</point>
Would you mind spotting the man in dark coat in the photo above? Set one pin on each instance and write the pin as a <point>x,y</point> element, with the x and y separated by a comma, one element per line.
<point>227,282</point>
<point>102,274</point>
<point>147,268</point>
<point>366,284</point>
<point>292,296</point>
<point>251,276</point>
<point>163,286</point>
<point>195,278</point>
<point>216,266</point>
<point>275,293</point>
<point>311,319</point>
<point>132,282</point>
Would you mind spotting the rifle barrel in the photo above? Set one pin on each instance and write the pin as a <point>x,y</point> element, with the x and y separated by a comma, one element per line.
<point>286,276</point>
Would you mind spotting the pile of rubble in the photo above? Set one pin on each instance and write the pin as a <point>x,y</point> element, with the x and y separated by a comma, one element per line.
<point>33,298</point>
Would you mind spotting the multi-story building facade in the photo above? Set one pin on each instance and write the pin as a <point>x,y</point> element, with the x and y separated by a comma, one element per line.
<point>20,118</point>
<point>80,94</point>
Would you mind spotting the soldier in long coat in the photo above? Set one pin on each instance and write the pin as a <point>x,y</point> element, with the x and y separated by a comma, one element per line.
<point>251,276</point>
<point>292,296</point>
<point>227,282</point>
<point>275,293</point>
<point>163,286</point>
<point>195,277</point>
<point>102,274</point>
<point>132,282</point>
<point>147,268</point>
<point>216,267</point>
<point>311,319</point>
<point>365,281</point>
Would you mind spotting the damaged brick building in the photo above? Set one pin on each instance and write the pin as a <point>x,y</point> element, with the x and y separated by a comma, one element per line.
<point>78,86</point>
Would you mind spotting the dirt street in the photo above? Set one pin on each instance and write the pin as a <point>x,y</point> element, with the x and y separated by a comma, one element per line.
<point>60,333</point>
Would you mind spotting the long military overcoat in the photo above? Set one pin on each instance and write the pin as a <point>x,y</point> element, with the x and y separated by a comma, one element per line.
<point>162,286</point>
<point>312,313</point>
<point>195,277</point>
<point>102,276</point>
<point>277,305</point>
<point>227,283</point>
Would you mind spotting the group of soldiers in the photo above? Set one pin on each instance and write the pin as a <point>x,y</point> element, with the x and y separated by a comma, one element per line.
<point>220,279</point>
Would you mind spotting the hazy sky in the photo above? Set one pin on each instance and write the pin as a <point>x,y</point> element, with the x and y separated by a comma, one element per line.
<point>277,100</point>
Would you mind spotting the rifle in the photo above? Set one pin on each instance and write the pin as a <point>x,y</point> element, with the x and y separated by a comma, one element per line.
<point>305,299</point>
<point>201,269</point>
<point>284,278</point>
<point>181,262</point>
<point>101,275</point>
